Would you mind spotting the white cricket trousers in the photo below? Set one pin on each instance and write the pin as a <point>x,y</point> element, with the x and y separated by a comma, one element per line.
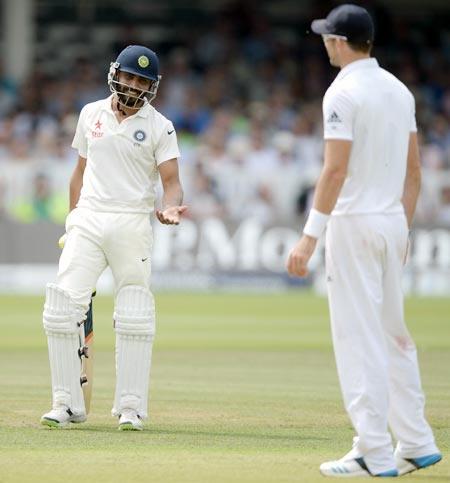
<point>95,240</point>
<point>375,355</point>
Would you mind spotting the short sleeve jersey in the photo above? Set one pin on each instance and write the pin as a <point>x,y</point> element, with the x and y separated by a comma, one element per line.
<point>370,107</point>
<point>122,158</point>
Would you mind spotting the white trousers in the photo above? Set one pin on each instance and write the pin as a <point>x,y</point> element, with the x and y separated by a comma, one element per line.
<point>375,355</point>
<point>95,240</point>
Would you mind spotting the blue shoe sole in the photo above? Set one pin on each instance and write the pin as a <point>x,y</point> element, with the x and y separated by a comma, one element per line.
<point>425,461</point>
<point>388,474</point>
<point>384,474</point>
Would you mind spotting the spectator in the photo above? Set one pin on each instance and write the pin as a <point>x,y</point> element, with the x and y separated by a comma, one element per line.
<point>237,85</point>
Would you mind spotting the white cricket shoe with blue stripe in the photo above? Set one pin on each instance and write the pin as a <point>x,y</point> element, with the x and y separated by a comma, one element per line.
<point>407,465</point>
<point>351,468</point>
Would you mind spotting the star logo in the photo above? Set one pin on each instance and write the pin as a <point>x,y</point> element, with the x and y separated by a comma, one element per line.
<point>98,125</point>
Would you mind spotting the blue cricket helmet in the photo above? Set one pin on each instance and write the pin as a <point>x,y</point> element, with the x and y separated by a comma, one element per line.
<point>140,61</point>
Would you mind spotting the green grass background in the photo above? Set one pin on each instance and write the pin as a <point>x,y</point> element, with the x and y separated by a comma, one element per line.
<point>243,389</point>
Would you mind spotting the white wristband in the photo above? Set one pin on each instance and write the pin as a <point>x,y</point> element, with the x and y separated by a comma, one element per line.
<point>315,224</point>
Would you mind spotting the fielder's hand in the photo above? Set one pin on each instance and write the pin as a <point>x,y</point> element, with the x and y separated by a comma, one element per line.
<point>171,215</point>
<point>407,249</point>
<point>300,255</point>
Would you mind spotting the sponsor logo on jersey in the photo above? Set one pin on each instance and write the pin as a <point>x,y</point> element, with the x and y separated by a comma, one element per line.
<point>139,135</point>
<point>143,61</point>
<point>334,117</point>
<point>96,133</point>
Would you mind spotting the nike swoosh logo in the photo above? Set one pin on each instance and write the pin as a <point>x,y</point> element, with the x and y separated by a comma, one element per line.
<point>143,259</point>
<point>170,132</point>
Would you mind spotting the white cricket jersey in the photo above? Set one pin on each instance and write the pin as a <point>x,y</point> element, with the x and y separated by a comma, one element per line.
<point>122,158</point>
<point>370,107</point>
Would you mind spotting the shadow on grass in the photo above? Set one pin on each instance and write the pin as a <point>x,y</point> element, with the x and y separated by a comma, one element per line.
<point>203,433</point>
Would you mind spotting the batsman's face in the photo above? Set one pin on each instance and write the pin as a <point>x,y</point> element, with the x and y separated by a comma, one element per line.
<point>132,89</point>
<point>135,83</point>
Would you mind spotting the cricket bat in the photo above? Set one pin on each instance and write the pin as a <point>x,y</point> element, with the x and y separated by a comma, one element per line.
<point>86,351</point>
<point>87,357</point>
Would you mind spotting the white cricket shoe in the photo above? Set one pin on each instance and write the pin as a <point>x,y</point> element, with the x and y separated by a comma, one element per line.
<point>129,420</point>
<point>61,417</point>
<point>351,467</point>
<point>407,465</point>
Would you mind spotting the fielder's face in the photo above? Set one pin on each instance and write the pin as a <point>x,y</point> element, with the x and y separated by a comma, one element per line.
<point>332,45</point>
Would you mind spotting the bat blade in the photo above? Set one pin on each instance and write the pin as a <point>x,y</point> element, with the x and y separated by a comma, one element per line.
<point>87,362</point>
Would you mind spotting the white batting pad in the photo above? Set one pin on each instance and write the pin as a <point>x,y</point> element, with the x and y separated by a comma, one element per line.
<point>61,318</point>
<point>134,322</point>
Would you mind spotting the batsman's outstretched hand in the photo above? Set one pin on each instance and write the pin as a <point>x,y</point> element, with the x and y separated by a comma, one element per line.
<point>300,256</point>
<point>171,215</point>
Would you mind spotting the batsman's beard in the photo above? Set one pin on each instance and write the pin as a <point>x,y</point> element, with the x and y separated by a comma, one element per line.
<point>130,98</point>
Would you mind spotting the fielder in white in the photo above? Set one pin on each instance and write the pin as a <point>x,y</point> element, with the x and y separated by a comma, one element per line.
<point>366,196</point>
<point>124,145</point>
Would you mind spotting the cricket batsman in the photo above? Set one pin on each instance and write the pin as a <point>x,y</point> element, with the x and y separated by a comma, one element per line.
<point>124,146</point>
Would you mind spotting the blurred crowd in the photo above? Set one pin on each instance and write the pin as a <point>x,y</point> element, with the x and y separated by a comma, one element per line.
<point>245,97</point>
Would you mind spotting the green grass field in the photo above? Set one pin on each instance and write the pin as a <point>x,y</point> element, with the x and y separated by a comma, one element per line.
<point>244,389</point>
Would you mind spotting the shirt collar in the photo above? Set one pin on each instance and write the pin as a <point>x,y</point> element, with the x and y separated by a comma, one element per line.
<point>144,111</point>
<point>369,63</point>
